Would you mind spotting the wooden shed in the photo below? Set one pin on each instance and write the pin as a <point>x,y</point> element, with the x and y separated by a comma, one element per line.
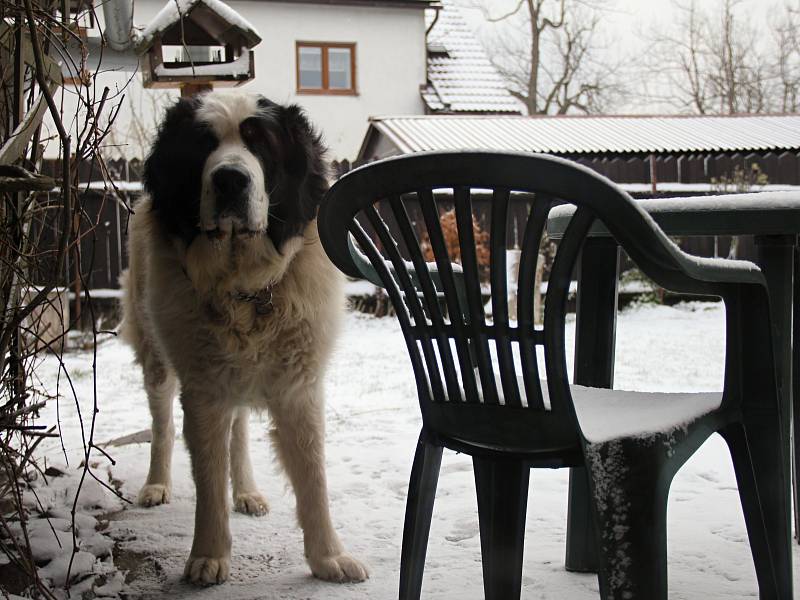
<point>649,155</point>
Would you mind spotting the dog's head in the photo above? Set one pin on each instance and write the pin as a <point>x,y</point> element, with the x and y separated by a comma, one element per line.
<point>235,164</point>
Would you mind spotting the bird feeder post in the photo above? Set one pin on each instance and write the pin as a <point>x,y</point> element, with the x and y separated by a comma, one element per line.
<point>192,89</point>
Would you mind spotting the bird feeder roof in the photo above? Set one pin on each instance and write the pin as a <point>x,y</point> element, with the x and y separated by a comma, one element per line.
<point>205,23</point>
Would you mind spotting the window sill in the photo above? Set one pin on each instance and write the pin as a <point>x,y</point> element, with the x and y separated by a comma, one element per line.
<point>319,92</point>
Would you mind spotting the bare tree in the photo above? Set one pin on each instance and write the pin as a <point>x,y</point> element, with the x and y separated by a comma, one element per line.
<point>786,35</point>
<point>716,62</point>
<point>43,221</point>
<point>738,73</point>
<point>547,51</point>
<point>132,137</point>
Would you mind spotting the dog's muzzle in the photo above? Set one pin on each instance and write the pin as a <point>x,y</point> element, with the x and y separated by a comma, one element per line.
<point>231,192</point>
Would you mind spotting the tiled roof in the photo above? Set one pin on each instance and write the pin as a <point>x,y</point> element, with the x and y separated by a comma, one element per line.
<point>568,135</point>
<point>460,76</point>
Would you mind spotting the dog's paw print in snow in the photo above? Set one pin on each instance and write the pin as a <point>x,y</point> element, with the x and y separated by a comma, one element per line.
<point>355,490</point>
<point>457,467</point>
<point>730,533</point>
<point>399,487</point>
<point>463,529</point>
<point>711,476</point>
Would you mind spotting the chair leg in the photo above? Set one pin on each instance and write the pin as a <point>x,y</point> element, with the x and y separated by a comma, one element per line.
<point>419,508</point>
<point>502,488</point>
<point>581,554</point>
<point>629,502</point>
<point>757,460</point>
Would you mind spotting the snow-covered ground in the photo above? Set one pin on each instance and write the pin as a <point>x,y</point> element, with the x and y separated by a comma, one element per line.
<point>373,423</point>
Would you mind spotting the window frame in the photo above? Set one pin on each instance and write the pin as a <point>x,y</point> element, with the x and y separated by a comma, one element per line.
<point>326,90</point>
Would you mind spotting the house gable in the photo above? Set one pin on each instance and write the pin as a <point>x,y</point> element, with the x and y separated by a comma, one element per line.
<point>461,79</point>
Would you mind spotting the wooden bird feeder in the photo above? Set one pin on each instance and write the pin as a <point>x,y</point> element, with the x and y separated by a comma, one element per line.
<point>197,44</point>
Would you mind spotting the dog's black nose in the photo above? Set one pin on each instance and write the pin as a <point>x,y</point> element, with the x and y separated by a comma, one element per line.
<point>230,188</point>
<point>229,181</point>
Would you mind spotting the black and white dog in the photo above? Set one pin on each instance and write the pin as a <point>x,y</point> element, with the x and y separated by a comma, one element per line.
<point>230,294</point>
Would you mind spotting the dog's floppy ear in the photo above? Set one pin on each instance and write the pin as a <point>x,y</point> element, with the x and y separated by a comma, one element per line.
<point>302,157</point>
<point>173,171</point>
<point>302,142</point>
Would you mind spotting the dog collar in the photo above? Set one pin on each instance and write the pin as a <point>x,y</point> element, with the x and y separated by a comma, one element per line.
<point>262,299</point>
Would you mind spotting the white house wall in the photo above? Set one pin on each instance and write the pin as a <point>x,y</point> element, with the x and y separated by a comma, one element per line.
<point>390,63</point>
<point>390,67</point>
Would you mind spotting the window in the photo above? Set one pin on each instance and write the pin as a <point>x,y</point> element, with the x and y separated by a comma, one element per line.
<point>326,68</point>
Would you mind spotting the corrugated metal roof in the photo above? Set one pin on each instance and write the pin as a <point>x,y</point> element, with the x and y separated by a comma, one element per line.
<point>460,76</point>
<point>592,135</point>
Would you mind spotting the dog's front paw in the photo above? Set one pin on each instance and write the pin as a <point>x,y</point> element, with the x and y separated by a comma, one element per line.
<point>153,494</point>
<point>342,568</point>
<point>250,503</point>
<point>207,571</point>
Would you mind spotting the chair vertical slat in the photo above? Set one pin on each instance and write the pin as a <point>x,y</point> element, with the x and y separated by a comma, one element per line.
<point>498,276</point>
<point>556,305</point>
<point>411,298</point>
<point>431,215</point>
<point>368,247</point>
<point>527,279</point>
<point>477,319</point>
<point>429,294</point>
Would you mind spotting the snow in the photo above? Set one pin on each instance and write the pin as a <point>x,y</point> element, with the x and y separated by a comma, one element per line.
<point>606,415</point>
<point>122,186</point>
<point>705,188</point>
<point>751,201</point>
<point>50,531</point>
<point>733,203</point>
<point>360,287</point>
<point>372,426</point>
<point>105,293</point>
<point>174,9</point>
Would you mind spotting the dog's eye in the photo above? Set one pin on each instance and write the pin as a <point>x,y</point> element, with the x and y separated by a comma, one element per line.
<point>250,130</point>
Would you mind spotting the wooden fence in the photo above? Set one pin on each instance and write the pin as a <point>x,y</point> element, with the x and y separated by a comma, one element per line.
<point>103,251</point>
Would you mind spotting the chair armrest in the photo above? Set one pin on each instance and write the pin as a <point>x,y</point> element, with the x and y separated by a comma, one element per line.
<point>701,275</point>
<point>723,270</point>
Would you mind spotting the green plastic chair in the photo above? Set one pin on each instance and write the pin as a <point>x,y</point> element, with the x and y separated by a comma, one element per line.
<point>478,379</point>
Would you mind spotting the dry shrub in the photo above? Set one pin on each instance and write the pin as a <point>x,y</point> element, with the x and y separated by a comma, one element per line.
<point>450,234</point>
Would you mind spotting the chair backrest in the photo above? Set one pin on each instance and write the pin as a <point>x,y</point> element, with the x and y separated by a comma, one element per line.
<point>470,369</point>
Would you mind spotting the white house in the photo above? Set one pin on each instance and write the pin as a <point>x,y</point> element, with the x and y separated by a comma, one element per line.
<point>344,61</point>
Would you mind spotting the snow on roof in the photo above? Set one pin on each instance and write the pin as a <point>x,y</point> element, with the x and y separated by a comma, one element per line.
<point>174,9</point>
<point>590,135</point>
<point>389,3</point>
<point>460,76</point>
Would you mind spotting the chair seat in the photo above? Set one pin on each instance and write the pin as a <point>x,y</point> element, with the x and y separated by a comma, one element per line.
<point>610,414</point>
<point>606,415</point>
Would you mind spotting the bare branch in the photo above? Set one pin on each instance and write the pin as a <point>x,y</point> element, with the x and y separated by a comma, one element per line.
<point>549,63</point>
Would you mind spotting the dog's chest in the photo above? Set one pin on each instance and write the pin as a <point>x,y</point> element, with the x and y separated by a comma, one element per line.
<point>259,336</point>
